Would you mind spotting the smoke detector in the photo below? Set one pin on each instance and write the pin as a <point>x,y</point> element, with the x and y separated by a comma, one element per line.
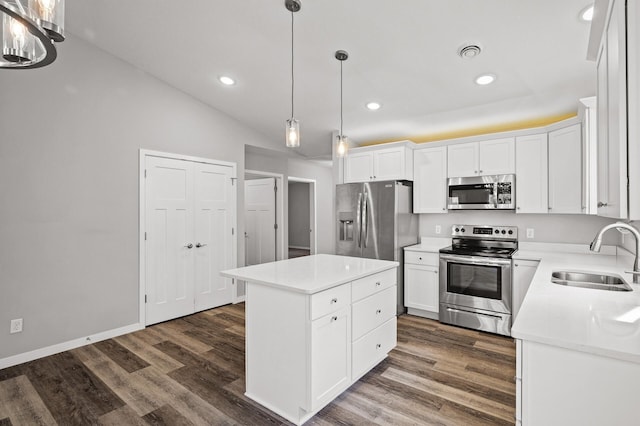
<point>469,51</point>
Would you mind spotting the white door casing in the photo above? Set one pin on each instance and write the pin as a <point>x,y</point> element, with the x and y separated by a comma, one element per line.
<point>260,220</point>
<point>187,226</point>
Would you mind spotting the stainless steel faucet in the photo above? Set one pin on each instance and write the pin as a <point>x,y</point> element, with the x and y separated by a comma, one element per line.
<point>597,242</point>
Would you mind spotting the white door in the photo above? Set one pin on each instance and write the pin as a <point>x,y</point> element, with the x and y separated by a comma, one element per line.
<point>213,242</point>
<point>189,221</point>
<point>170,231</point>
<point>260,221</point>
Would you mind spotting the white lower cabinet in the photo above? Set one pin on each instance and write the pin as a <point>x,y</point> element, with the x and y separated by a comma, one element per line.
<point>559,386</point>
<point>421,283</point>
<point>303,350</point>
<point>330,357</point>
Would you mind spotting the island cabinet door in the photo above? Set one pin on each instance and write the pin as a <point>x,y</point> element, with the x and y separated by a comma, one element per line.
<point>330,356</point>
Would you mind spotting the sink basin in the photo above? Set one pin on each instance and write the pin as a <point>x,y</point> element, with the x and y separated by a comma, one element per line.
<point>590,280</point>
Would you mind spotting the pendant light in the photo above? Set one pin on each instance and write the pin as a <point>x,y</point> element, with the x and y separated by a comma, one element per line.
<point>29,30</point>
<point>343,144</point>
<point>292,131</point>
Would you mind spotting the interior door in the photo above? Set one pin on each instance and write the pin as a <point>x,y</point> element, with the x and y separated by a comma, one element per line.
<point>213,243</point>
<point>260,221</point>
<point>169,188</point>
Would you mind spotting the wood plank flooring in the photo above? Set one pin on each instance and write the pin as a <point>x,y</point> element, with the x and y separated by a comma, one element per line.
<point>190,371</point>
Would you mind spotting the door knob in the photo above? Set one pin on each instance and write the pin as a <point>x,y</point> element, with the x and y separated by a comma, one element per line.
<point>189,246</point>
<point>198,245</point>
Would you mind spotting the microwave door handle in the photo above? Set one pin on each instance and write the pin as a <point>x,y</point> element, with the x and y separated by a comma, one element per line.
<point>495,194</point>
<point>359,219</point>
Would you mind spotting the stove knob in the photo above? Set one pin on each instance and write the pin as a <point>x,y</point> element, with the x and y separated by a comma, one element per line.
<point>503,232</point>
<point>496,231</point>
<point>510,232</point>
<point>462,230</point>
<point>457,229</point>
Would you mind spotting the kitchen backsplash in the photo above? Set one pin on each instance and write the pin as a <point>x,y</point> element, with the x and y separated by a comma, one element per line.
<point>574,229</point>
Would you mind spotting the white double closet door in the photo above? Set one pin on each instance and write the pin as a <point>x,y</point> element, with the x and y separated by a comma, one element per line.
<point>189,220</point>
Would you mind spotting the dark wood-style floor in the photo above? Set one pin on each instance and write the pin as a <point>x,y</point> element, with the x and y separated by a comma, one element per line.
<point>191,371</point>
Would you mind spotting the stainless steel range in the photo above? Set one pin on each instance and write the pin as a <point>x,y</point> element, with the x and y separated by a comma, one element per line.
<point>475,277</point>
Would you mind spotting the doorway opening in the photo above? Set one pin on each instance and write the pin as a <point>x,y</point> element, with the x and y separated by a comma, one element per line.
<point>302,239</point>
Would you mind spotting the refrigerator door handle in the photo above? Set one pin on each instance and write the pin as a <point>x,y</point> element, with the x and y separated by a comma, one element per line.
<point>365,224</point>
<point>359,219</point>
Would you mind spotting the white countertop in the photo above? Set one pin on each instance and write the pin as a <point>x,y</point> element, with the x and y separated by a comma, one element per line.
<point>430,245</point>
<point>310,274</point>
<point>589,320</point>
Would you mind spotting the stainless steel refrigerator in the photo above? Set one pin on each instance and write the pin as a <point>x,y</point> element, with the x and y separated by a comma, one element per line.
<point>375,220</point>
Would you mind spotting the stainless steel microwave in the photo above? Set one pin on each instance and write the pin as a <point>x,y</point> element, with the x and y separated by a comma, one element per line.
<point>481,192</point>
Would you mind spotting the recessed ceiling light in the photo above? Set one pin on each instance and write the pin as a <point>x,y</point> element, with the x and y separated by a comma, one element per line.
<point>485,79</point>
<point>587,14</point>
<point>227,81</point>
<point>373,106</point>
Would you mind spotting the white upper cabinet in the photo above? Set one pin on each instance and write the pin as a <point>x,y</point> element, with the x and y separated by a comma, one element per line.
<point>462,160</point>
<point>430,180</point>
<point>565,170</point>
<point>531,174</point>
<point>491,157</point>
<point>358,167</point>
<point>367,164</point>
<point>612,116</point>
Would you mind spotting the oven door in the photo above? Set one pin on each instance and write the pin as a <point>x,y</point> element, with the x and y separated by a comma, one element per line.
<point>476,282</point>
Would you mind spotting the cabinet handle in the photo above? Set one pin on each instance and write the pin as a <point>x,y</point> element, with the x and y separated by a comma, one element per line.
<point>189,246</point>
<point>377,283</point>
<point>601,204</point>
<point>379,311</point>
<point>518,208</point>
<point>334,319</point>
<point>198,245</point>
<point>419,258</point>
<point>480,171</point>
<point>443,209</point>
<point>549,208</point>
<point>378,346</point>
<point>475,171</point>
<point>334,300</point>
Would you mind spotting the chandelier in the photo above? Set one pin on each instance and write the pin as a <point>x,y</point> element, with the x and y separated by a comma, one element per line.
<point>30,29</point>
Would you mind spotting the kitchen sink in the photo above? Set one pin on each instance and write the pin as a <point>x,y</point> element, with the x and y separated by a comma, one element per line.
<point>590,280</point>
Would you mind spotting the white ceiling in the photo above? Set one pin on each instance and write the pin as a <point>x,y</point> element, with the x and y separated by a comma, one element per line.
<point>402,54</point>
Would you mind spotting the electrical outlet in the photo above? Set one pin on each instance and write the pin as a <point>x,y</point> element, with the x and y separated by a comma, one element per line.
<point>530,233</point>
<point>438,229</point>
<point>16,326</point>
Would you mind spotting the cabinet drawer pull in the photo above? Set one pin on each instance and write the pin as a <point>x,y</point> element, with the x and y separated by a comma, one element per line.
<point>378,346</point>
<point>334,318</point>
<point>379,311</point>
<point>419,258</point>
<point>334,300</point>
<point>377,283</point>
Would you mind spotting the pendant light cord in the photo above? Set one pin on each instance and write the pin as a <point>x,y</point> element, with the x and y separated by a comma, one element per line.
<point>292,77</point>
<point>341,135</point>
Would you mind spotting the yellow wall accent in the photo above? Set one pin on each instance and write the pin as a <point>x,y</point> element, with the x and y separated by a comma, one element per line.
<point>477,131</point>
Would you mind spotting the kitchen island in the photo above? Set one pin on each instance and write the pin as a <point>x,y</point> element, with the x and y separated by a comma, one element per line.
<point>314,326</point>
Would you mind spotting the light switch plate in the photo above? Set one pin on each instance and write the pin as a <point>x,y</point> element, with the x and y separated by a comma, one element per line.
<point>530,233</point>
<point>438,229</point>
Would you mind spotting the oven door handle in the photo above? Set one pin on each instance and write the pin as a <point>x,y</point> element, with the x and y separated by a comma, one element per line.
<point>462,311</point>
<point>475,260</point>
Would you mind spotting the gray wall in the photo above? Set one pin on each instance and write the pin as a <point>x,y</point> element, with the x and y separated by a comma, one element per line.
<point>575,229</point>
<point>69,186</point>
<point>299,210</point>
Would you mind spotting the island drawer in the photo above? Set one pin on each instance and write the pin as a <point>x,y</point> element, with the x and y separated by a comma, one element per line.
<point>421,258</point>
<point>330,300</point>
<point>367,286</point>
<point>373,347</point>
<point>373,311</point>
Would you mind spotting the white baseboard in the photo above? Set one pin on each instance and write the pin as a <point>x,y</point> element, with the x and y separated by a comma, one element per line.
<point>240,299</point>
<point>300,247</point>
<point>66,346</point>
